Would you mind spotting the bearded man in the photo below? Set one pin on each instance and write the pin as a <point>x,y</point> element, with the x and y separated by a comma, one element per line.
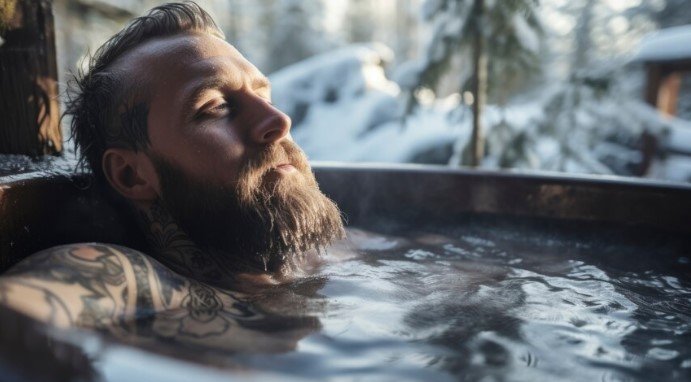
<point>173,119</point>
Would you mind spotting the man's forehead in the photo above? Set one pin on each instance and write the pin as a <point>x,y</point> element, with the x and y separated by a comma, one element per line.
<point>179,53</point>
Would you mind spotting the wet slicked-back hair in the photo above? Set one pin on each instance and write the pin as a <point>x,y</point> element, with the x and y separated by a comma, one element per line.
<point>101,99</point>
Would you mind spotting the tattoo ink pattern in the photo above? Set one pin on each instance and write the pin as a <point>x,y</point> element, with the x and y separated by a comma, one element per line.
<point>204,310</point>
<point>145,308</point>
<point>122,292</point>
<point>97,273</point>
<point>172,247</point>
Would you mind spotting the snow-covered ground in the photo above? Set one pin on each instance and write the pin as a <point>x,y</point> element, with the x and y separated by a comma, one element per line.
<point>344,108</point>
<point>676,165</point>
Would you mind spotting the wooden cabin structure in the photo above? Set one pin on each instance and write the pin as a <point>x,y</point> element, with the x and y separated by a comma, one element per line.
<point>29,106</point>
<point>666,55</point>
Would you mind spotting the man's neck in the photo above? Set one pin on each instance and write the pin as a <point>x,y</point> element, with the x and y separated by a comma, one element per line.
<point>170,245</point>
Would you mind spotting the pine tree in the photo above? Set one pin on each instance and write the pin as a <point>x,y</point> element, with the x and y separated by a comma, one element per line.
<point>502,39</point>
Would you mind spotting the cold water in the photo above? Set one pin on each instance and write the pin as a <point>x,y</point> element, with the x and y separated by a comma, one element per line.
<point>492,302</point>
<point>485,300</point>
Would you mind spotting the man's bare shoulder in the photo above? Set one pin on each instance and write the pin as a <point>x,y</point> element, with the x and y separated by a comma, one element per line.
<point>79,262</point>
<point>89,257</point>
<point>89,284</point>
<point>117,290</point>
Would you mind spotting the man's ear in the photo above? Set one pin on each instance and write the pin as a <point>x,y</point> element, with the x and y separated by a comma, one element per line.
<point>131,174</point>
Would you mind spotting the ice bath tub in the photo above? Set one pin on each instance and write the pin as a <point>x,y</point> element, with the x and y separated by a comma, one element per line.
<point>501,219</point>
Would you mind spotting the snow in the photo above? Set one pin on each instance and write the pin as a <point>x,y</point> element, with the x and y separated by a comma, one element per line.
<point>353,112</point>
<point>677,168</point>
<point>525,34</point>
<point>430,7</point>
<point>408,73</point>
<point>679,138</point>
<point>344,108</point>
<point>454,27</point>
<point>368,128</point>
<point>331,77</point>
<point>667,44</point>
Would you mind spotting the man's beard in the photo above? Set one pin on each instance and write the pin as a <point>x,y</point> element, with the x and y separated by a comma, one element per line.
<point>264,222</point>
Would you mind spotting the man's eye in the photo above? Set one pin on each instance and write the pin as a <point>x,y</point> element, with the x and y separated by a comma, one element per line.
<point>221,107</point>
<point>221,110</point>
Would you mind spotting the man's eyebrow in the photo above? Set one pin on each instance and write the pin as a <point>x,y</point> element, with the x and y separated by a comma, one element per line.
<point>217,82</point>
<point>214,82</point>
<point>192,97</point>
<point>261,82</point>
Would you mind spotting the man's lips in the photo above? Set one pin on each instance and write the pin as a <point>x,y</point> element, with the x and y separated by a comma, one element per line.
<point>285,168</point>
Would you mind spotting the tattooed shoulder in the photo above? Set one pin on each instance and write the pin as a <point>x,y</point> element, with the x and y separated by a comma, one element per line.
<point>91,285</point>
<point>125,293</point>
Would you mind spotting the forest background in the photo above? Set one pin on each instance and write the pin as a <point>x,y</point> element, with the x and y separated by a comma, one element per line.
<point>550,85</point>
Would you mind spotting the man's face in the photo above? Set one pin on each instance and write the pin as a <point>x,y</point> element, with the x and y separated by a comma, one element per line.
<point>228,170</point>
<point>209,108</point>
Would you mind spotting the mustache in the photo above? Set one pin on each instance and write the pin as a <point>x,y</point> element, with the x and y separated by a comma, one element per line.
<point>283,152</point>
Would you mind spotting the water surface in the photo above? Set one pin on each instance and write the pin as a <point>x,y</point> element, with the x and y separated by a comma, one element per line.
<point>476,300</point>
<point>492,302</point>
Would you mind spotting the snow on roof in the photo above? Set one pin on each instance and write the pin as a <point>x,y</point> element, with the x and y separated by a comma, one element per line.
<point>666,44</point>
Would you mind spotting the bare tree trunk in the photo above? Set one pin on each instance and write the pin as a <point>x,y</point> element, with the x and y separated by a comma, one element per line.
<point>479,86</point>
<point>29,110</point>
<point>584,43</point>
<point>405,30</point>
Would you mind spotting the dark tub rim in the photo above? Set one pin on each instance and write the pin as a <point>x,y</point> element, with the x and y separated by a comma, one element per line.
<point>62,206</point>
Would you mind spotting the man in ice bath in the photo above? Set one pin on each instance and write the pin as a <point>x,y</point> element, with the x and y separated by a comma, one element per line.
<point>175,121</point>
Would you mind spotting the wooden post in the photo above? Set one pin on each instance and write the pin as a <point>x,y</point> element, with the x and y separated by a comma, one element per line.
<point>29,108</point>
<point>668,93</point>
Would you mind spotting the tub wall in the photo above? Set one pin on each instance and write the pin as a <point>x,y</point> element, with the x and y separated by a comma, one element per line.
<point>39,209</point>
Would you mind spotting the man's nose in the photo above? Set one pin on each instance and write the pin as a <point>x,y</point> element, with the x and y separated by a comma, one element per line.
<point>272,125</point>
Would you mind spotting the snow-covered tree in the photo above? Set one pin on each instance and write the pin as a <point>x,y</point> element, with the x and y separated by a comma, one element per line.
<point>592,31</point>
<point>501,39</point>
<point>294,31</point>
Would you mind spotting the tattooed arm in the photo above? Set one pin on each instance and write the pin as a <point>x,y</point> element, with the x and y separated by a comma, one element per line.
<point>124,292</point>
<point>80,285</point>
<point>91,285</point>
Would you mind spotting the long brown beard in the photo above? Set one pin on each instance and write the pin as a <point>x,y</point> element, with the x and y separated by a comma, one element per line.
<point>266,222</point>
